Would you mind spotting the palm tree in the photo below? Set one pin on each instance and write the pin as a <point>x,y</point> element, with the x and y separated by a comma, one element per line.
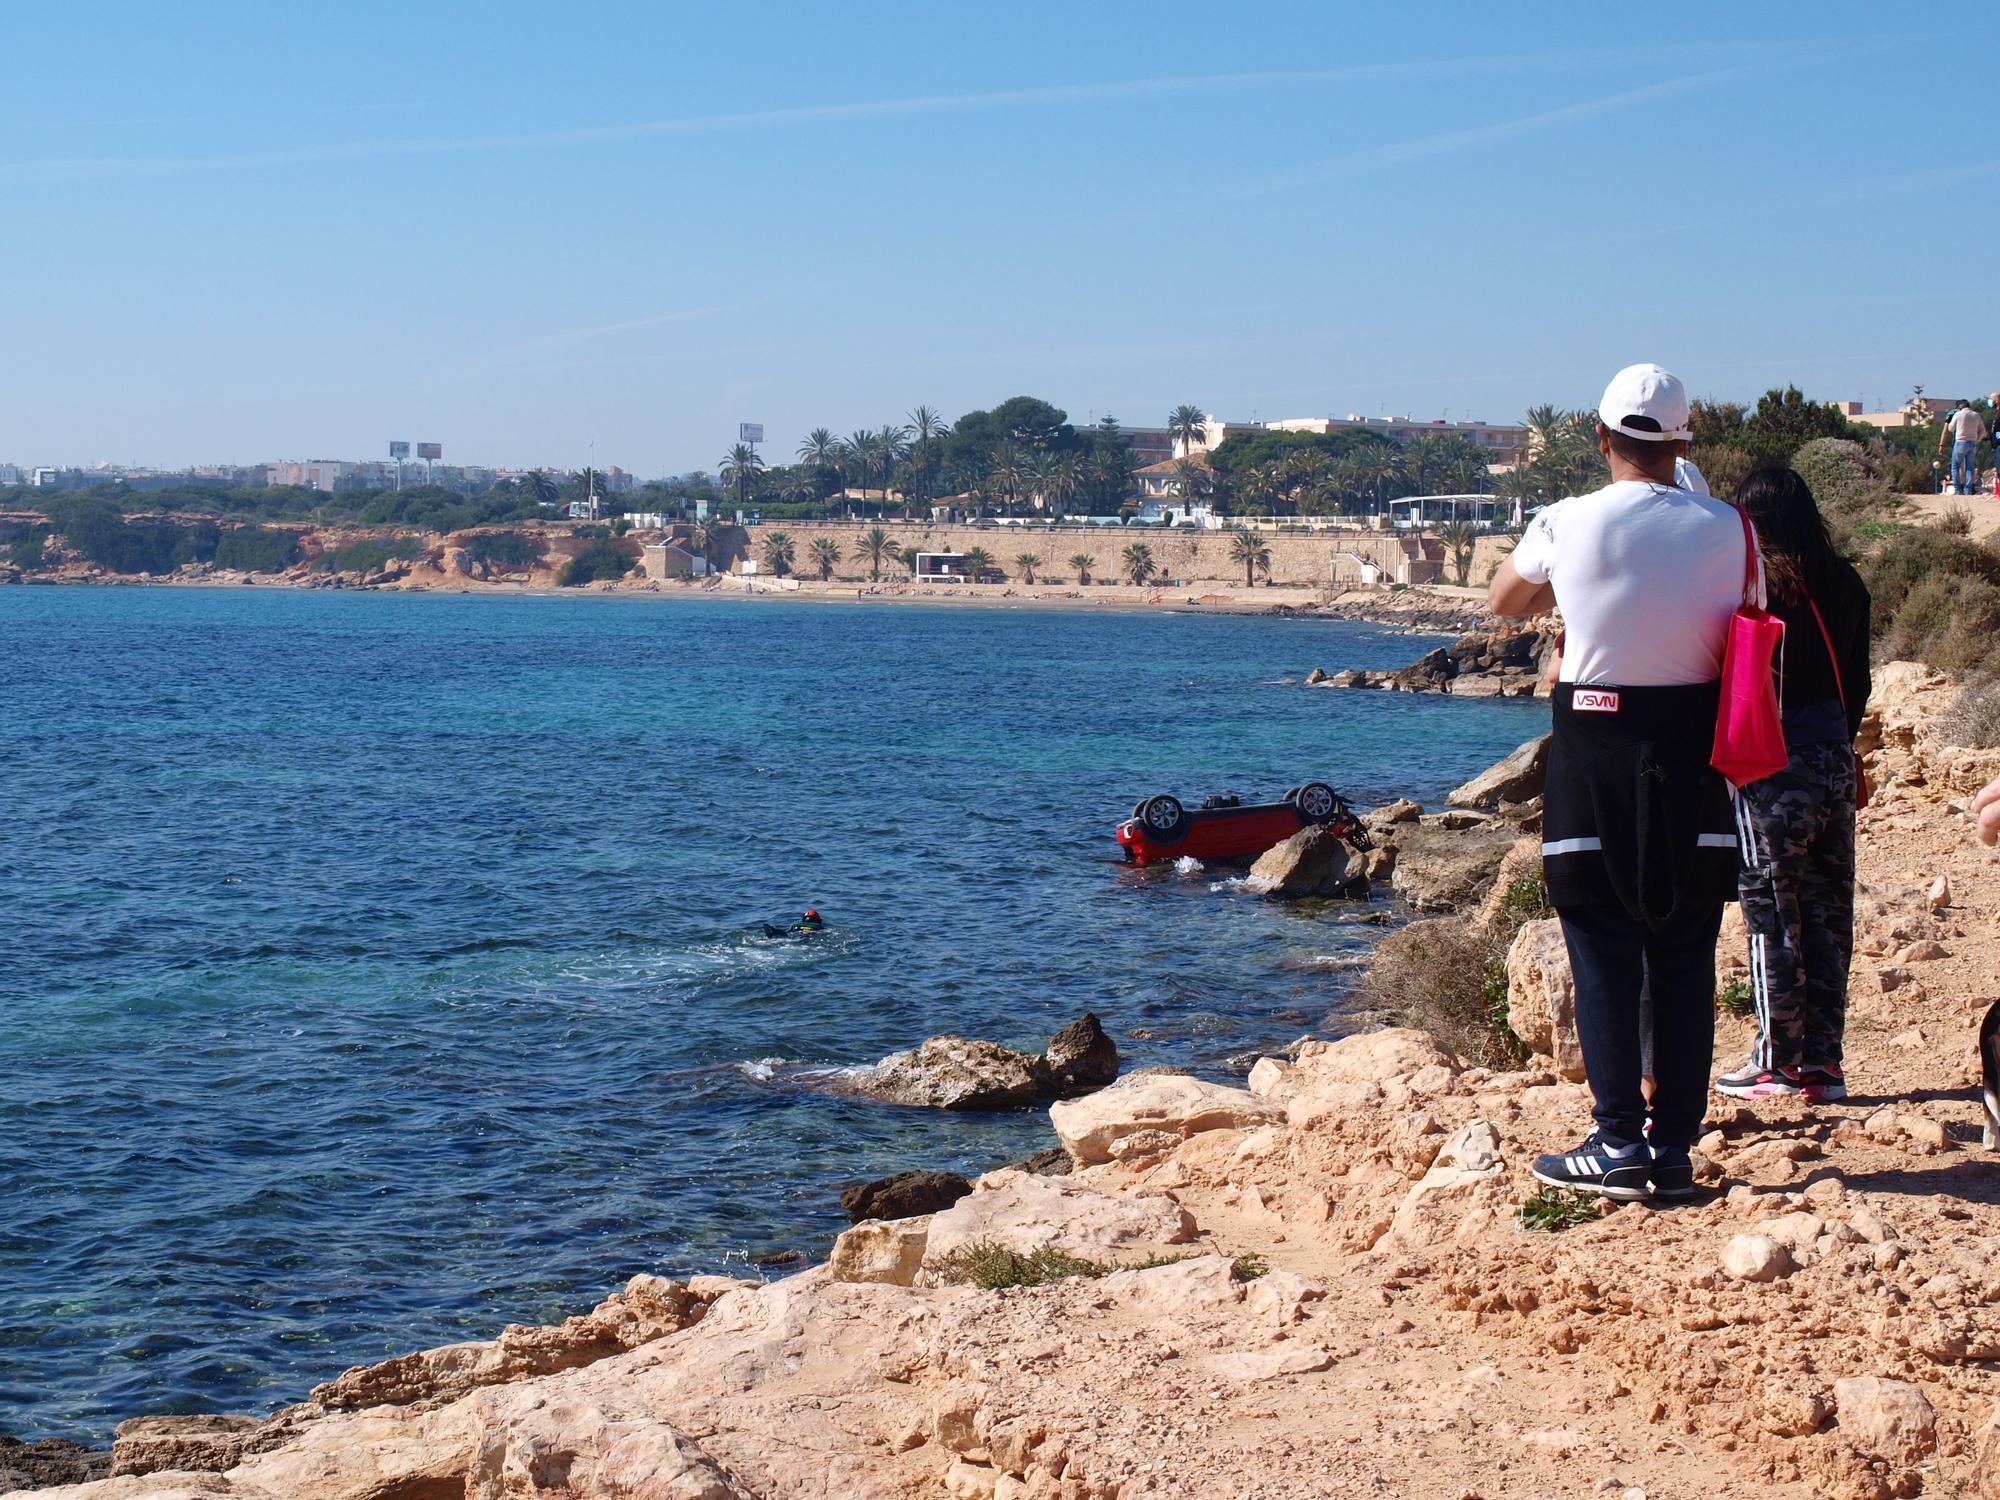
<point>1188,426</point>
<point>873,547</point>
<point>858,457</point>
<point>1083,562</point>
<point>701,539</point>
<point>740,468</point>
<point>908,558</point>
<point>1066,481</point>
<point>926,429</point>
<point>1027,562</point>
<point>1008,474</point>
<point>1038,474</point>
<point>1138,560</point>
<point>1253,552</point>
<point>1193,478</point>
<point>978,562</point>
<point>891,443</point>
<point>819,452</point>
<point>825,552</point>
<point>539,487</point>
<point>778,553</point>
<point>1458,537</point>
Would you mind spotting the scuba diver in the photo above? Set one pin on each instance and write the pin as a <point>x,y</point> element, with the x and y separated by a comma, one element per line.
<point>807,926</point>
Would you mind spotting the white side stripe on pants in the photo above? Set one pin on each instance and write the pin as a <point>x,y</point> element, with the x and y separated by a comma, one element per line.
<point>1760,968</point>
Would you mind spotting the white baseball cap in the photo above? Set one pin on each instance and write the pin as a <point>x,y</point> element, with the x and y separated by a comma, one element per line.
<point>1646,402</point>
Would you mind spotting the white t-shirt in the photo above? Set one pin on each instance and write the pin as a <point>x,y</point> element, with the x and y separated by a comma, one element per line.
<point>1966,425</point>
<point>1646,576</point>
<point>1688,477</point>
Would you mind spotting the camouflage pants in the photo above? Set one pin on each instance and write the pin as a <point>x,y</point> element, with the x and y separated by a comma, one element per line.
<point>1797,887</point>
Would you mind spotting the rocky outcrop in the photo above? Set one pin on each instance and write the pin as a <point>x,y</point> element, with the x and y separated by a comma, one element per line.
<point>1312,862</point>
<point>886,1251</point>
<point>902,1195</point>
<point>1081,1057</point>
<point>1886,1419</point>
<point>954,1072</point>
<point>1506,662</point>
<point>1153,1111</point>
<point>650,1307</point>
<point>1442,869</point>
<point>47,1462</point>
<point>1518,778</point>
<point>146,1445</point>
<point>1021,1212</point>
<point>1541,997</point>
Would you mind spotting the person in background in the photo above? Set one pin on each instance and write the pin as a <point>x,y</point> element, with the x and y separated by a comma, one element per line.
<point>1638,848</point>
<point>1963,430</point>
<point>1797,827</point>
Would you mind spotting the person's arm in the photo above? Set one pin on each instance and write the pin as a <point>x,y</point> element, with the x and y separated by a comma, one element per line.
<point>1521,585</point>
<point>1515,597</point>
<point>1986,807</point>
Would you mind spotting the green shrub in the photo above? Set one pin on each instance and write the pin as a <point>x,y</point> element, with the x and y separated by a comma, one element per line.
<point>1948,622</point>
<point>992,1266</point>
<point>598,560</point>
<point>95,526</point>
<point>24,548</point>
<point>254,549</point>
<point>1913,554</point>
<point>509,551</point>
<point>1735,998</point>
<point>1841,474</point>
<point>1553,1209</point>
<point>369,555</point>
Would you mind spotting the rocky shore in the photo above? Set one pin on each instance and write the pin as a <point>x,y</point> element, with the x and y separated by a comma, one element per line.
<point>1315,1284</point>
<point>1506,661</point>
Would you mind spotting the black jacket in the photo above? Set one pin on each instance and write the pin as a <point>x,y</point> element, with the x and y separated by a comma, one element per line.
<point>1809,676</point>
<point>1634,819</point>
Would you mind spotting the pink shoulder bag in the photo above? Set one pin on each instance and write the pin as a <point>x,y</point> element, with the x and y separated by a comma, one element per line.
<point>1749,730</point>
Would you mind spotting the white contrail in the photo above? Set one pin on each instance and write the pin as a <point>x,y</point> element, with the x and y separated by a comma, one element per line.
<point>83,167</point>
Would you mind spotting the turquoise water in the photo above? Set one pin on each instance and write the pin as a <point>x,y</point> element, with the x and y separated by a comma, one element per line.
<point>379,968</point>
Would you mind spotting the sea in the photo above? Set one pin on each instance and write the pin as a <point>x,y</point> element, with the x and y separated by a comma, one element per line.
<point>380,969</point>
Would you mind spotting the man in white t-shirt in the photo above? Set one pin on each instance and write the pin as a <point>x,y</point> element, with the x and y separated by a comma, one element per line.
<point>1639,846</point>
<point>1963,430</point>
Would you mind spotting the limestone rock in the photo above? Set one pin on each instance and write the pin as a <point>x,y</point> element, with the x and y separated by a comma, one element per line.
<point>1088,1127</point>
<point>1541,996</point>
<point>650,1307</point>
<point>903,1195</point>
<point>1987,1448</point>
<point>1515,779</point>
<point>1201,1281</point>
<point>955,1072</point>
<point>1025,1213</point>
<point>1886,1419</point>
<point>146,1445</point>
<point>1248,1365</point>
<point>1081,1056</point>
<point>1432,671</point>
<point>888,1251</point>
<point>1316,676</point>
<point>1402,810</point>
<point>1465,1177</point>
<point>561,1450</point>
<point>48,1461</point>
<point>1756,1257</point>
<point>1312,862</point>
<point>1441,869</point>
<point>1939,896</point>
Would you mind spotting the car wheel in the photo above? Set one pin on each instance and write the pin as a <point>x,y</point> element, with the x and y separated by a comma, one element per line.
<point>1316,801</point>
<point>1162,815</point>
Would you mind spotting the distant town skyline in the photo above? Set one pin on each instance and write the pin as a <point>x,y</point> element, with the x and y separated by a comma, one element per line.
<point>636,225</point>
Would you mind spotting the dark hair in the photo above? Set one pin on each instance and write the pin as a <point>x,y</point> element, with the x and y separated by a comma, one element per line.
<point>1798,554</point>
<point>1645,454</point>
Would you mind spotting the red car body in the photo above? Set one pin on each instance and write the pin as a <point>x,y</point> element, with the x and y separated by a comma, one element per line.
<point>1224,828</point>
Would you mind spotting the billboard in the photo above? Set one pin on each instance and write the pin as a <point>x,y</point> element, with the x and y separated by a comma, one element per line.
<point>749,432</point>
<point>430,450</point>
<point>399,450</point>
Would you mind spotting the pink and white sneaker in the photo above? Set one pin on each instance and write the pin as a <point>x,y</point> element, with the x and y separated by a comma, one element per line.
<point>1753,1082</point>
<point>1822,1083</point>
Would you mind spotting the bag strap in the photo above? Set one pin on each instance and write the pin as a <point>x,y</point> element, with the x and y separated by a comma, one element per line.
<point>1832,656</point>
<point>1749,559</point>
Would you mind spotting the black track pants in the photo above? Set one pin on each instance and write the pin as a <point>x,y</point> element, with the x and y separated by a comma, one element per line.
<point>1613,959</point>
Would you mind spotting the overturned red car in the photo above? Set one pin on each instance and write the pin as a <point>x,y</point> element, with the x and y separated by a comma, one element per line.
<point>1225,828</point>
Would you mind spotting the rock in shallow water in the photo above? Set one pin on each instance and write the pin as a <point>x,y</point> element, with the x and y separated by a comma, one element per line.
<point>902,1195</point>
<point>955,1072</point>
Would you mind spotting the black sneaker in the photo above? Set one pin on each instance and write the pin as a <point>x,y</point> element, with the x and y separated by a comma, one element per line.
<point>1822,1083</point>
<point>1672,1175</point>
<point>1595,1167</point>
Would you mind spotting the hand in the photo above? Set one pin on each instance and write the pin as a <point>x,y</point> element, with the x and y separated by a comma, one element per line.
<point>1986,806</point>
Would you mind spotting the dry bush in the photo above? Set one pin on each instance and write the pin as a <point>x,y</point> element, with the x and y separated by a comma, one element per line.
<point>1974,720</point>
<point>1956,521</point>
<point>1439,976</point>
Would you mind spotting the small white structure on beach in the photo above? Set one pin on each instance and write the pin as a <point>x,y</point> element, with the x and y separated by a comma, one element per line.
<point>949,567</point>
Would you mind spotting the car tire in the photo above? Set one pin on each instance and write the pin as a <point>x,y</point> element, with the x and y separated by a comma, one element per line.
<point>1163,816</point>
<point>1316,801</point>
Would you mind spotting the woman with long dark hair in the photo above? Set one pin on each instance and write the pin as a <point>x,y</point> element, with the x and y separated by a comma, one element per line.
<point>1796,828</point>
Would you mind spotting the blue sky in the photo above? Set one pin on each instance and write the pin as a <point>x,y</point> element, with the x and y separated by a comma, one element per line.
<point>249,231</point>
